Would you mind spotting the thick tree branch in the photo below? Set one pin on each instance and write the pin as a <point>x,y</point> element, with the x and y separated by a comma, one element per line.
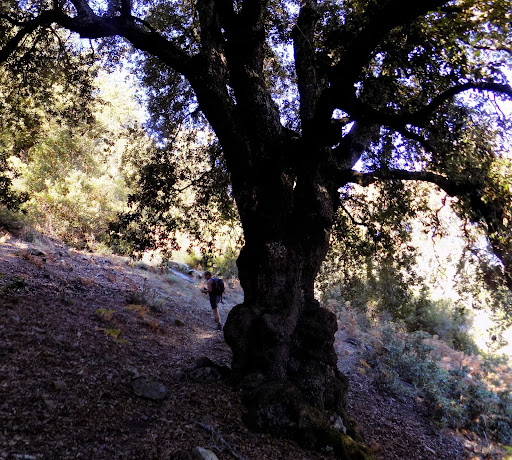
<point>304,50</point>
<point>211,36</point>
<point>213,95</point>
<point>246,30</point>
<point>360,46</point>
<point>213,54</point>
<point>143,40</point>
<point>28,27</point>
<point>245,56</point>
<point>383,18</point>
<point>83,10</point>
<point>145,24</point>
<point>489,211</point>
<point>126,8</point>
<point>354,144</point>
<point>401,122</point>
<point>253,15</point>
<point>227,15</point>
<point>89,25</point>
<point>423,115</point>
<point>421,140</point>
<point>450,186</point>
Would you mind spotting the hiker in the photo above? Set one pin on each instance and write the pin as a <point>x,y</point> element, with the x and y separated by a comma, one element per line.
<point>215,296</point>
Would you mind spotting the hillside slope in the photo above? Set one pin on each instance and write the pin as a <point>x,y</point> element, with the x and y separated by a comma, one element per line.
<point>72,347</point>
<point>83,337</point>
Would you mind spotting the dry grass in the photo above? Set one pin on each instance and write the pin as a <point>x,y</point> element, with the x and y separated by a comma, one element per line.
<point>463,391</point>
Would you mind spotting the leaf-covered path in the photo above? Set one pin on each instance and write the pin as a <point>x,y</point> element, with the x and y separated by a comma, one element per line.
<point>72,342</point>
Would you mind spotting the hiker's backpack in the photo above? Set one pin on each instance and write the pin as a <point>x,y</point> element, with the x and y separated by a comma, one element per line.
<point>218,286</point>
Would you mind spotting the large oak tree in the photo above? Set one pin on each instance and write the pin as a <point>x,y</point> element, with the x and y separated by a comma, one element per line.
<point>296,95</point>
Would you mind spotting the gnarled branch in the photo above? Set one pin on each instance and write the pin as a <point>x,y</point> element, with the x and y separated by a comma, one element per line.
<point>354,144</point>
<point>304,48</point>
<point>450,186</point>
<point>27,27</point>
<point>366,113</point>
<point>89,25</point>
<point>423,115</point>
<point>489,211</point>
<point>384,17</point>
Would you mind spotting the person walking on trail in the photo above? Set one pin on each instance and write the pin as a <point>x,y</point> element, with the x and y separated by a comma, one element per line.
<point>215,297</point>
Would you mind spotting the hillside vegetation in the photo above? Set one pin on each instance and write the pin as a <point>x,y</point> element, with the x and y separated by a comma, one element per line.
<point>409,274</point>
<point>81,331</point>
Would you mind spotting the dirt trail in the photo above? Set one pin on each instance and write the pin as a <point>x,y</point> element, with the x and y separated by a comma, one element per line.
<point>73,339</point>
<point>77,330</point>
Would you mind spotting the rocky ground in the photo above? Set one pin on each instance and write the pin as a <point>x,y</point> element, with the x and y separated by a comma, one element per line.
<point>99,360</point>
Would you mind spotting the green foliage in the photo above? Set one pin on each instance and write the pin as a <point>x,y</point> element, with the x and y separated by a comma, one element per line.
<point>442,318</point>
<point>9,198</point>
<point>195,261</point>
<point>223,264</point>
<point>185,184</point>
<point>11,220</point>
<point>458,397</point>
<point>115,334</point>
<point>78,174</point>
<point>380,297</point>
<point>76,208</point>
<point>371,263</point>
<point>146,298</point>
<point>172,279</point>
<point>383,259</point>
<point>49,80</point>
<point>183,188</point>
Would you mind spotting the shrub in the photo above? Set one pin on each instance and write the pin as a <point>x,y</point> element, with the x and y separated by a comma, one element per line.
<point>12,221</point>
<point>76,208</point>
<point>172,279</point>
<point>445,319</point>
<point>455,395</point>
<point>147,297</point>
<point>223,264</point>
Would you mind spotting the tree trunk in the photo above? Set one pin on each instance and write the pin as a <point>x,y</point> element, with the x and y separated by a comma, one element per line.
<point>280,332</point>
<point>282,340</point>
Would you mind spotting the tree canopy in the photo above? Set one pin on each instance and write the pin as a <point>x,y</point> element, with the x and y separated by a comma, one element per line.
<point>414,90</point>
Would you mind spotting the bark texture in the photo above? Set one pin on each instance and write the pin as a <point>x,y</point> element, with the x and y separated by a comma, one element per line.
<point>282,340</point>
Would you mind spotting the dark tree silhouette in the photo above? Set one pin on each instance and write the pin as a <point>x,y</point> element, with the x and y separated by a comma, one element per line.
<point>384,80</point>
